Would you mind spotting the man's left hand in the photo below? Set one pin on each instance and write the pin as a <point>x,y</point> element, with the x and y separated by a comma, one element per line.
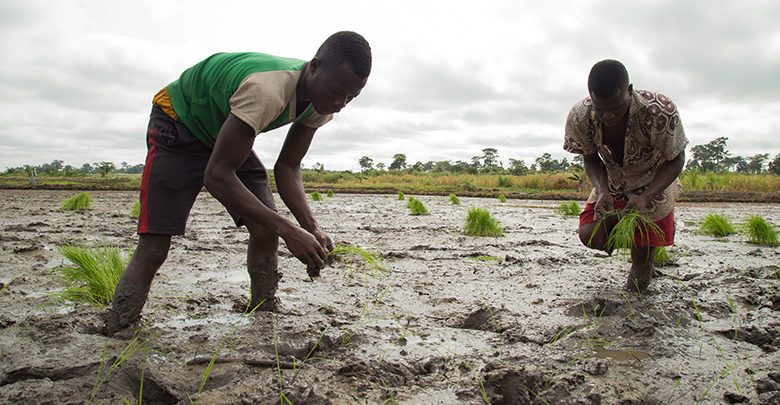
<point>639,202</point>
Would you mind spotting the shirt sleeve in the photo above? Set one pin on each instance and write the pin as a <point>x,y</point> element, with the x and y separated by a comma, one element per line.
<point>576,138</point>
<point>261,97</point>
<point>667,134</point>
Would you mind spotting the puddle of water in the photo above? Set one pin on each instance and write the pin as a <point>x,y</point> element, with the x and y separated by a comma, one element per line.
<point>620,355</point>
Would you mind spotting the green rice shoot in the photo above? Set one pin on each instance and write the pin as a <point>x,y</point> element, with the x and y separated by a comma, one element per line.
<point>79,202</point>
<point>760,232</point>
<point>401,196</point>
<point>479,222</point>
<point>664,257</point>
<point>454,200</point>
<point>716,225</point>
<point>622,236</point>
<point>135,211</point>
<point>502,198</point>
<point>351,254</point>
<point>330,193</point>
<point>92,274</point>
<point>569,208</point>
<point>416,207</point>
<point>316,196</point>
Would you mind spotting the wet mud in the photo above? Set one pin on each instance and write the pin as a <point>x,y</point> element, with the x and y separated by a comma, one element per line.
<point>531,317</point>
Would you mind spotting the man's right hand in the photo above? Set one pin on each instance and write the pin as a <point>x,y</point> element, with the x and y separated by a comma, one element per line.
<point>305,247</point>
<point>604,202</point>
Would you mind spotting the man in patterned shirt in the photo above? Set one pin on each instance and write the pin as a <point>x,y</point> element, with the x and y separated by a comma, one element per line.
<point>201,131</point>
<point>633,148</point>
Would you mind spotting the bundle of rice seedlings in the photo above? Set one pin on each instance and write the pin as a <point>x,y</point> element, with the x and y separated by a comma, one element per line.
<point>502,198</point>
<point>760,231</point>
<point>135,212</point>
<point>351,253</point>
<point>630,223</point>
<point>416,207</point>
<point>330,193</point>
<point>454,199</point>
<point>79,202</point>
<point>480,223</point>
<point>569,208</point>
<point>401,195</point>
<point>316,196</point>
<point>92,274</point>
<point>716,225</point>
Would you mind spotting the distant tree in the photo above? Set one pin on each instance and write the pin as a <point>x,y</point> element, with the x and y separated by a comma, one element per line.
<point>577,163</point>
<point>380,166</point>
<point>318,167</point>
<point>399,162</point>
<point>366,163</point>
<point>710,156</point>
<point>86,168</point>
<point>774,166</point>
<point>461,167</point>
<point>517,167</point>
<point>735,163</point>
<point>755,163</point>
<point>490,161</point>
<point>442,166</point>
<point>106,168</point>
<point>546,163</point>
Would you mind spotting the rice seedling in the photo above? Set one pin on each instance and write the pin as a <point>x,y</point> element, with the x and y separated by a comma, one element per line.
<point>569,208</point>
<point>663,257</point>
<point>330,193</point>
<point>5,286</point>
<point>92,275</point>
<point>79,202</point>
<point>350,253</point>
<point>401,196</point>
<point>316,196</point>
<point>760,232</point>
<point>141,342</point>
<point>502,198</point>
<point>454,200</point>
<point>135,212</point>
<point>631,225</point>
<point>716,225</point>
<point>416,207</point>
<point>479,222</point>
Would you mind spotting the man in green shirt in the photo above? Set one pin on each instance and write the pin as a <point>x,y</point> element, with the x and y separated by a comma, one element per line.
<point>201,133</point>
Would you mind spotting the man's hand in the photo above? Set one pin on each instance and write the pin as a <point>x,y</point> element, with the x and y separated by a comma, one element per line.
<point>639,202</point>
<point>305,247</point>
<point>325,241</point>
<point>604,202</point>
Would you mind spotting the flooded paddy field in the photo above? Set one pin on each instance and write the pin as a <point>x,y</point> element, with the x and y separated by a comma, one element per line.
<point>531,317</point>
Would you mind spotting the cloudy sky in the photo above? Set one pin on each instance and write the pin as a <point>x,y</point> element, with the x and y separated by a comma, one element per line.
<point>449,78</point>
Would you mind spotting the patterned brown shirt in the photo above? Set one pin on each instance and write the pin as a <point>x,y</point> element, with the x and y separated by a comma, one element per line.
<point>654,135</point>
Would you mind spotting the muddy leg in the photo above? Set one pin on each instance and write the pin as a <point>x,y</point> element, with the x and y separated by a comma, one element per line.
<point>641,268</point>
<point>131,291</point>
<point>262,264</point>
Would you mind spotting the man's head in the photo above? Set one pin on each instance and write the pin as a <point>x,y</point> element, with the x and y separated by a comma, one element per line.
<point>610,91</point>
<point>338,72</point>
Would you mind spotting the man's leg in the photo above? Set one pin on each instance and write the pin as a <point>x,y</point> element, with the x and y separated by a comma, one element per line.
<point>641,268</point>
<point>262,263</point>
<point>133,288</point>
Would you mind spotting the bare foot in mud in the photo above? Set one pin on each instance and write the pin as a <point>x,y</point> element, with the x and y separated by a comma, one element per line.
<point>639,277</point>
<point>129,300</point>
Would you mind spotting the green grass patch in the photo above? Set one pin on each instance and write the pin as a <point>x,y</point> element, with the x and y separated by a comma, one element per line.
<point>454,200</point>
<point>92,273</point>
<point>330,193</point>
<point>716,225</point>
<point>79,202</point>
<point>760,232</point>
<point>479,222</point>
<point>502,198</point>
<point>569,208</point>
<point>316,196</point>
<point>416,207</point>
<point>401,196</point>
<point>630,223</point>
<point>135,211</point>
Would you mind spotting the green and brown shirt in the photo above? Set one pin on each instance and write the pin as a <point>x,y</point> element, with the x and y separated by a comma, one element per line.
<point>654,135</point>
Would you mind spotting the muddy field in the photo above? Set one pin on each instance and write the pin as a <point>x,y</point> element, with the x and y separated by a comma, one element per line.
<point>531,317</point>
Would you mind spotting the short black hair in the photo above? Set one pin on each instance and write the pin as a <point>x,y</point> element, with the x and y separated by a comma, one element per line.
<point>346,46</point>
<point>607,77</point>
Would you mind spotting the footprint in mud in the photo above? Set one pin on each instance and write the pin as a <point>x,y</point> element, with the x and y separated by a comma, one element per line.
<point>485,319</point>
<point>596,306</point>
<point>767,338</point>
<point>519,386</point>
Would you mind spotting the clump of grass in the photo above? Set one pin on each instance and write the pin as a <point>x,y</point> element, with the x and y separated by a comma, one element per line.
<point>480,223</point>
<point>716,225</point>
<point>92,274</point>
<point>629,224</point>
<point>454,200</point>
<point>316,196</point>
<point>79,202</point>
<point>350,253</point>
<point>401,196</point>
<point>760,232</point>
<point>330,193</point>
<point>502,198</point>
<point>135,211</point>
<point>569,208</point>
<point>416,207</point>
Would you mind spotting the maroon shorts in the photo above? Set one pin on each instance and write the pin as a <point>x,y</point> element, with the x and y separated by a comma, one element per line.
<point>644,237</point>
<point>173,176</point>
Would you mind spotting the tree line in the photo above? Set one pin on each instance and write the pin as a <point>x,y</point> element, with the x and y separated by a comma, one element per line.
<point>58,168</point>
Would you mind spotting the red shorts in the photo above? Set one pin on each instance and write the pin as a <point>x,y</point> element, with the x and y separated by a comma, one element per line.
<point>641,238</point>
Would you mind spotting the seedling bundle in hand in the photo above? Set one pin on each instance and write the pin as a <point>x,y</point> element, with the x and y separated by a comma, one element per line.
<point>349,253</point>
<point>79,202</point>
<point>630,225</point>
<point>480,223</point>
